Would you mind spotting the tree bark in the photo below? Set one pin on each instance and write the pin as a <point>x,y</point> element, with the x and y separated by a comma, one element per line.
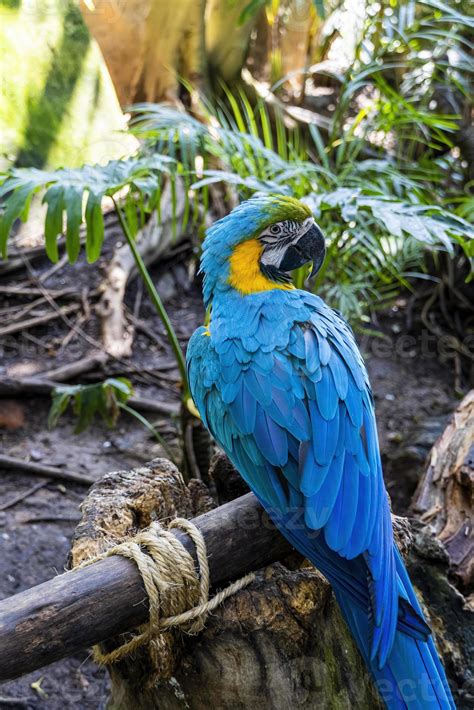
<point>149,45</point>
<point>226,39</point>
<point>281,643</point>
<point>443,499</point>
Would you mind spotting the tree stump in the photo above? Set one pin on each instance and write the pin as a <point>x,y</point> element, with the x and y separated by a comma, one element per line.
<point>281,642</point>
<point>443,499</point>
<point>449,613</point>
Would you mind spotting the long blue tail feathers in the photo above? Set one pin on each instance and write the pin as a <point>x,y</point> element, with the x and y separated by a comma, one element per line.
<point>413,677</point>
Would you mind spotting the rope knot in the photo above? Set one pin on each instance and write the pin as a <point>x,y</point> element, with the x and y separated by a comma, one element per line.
<point>178,594</point>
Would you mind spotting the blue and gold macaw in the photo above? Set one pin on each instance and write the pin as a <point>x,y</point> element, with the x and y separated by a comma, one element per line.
<point>279,382</point>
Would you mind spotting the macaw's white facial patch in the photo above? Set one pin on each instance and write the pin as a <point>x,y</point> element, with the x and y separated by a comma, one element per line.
<point>277,237</point>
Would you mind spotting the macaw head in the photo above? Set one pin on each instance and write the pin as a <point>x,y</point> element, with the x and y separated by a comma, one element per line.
<point>257,246</point>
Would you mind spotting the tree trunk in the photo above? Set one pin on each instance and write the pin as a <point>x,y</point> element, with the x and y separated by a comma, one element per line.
<point>226,39</point>
<point>295,41</point>
<point>148,45</point>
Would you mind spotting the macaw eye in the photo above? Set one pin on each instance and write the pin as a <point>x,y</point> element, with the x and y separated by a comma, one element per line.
<point>275,229</point>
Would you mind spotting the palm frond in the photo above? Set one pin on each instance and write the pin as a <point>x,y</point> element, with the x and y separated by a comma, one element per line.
<point>75,195</point>
<point>379,218</point>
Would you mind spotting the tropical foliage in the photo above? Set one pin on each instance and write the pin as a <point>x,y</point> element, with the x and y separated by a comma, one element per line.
<point>382,180</point>
<point>378,218</point>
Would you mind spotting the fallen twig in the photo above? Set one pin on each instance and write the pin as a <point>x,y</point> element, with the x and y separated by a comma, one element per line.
<point>17,386</point>
<point>32,519</point>
<point>73,369</point>
<point>17,257</point>
<point>23,496</point>
<point>54,269</point>
<point>12,463</point>
<point>18,308</point>
<point>149,332</point>
<point>38,320</point>
<point>15,702</point>
<point>76,329</point>
<point>146,404</point>
<point>20,311</point>
<point>138,299</point>
<point>35,291</point>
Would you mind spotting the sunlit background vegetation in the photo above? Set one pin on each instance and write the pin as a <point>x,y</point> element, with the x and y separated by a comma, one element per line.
<point>361,109</point>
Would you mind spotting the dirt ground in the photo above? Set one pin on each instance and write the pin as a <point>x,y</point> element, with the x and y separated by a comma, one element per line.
<point>413,393</point>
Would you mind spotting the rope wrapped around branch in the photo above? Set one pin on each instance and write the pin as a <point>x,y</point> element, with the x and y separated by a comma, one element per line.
<point>178,595</point>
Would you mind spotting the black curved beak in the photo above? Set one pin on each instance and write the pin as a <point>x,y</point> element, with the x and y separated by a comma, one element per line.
<point>309,247</point>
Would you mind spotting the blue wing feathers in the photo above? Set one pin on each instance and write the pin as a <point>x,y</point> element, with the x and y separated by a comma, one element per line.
<point>326,395</point>
<point>301,424</point>
<point>348,498</point>
<point>312,474</point>
<point>325,432</point>
<point>339,374</point>
<point>256,385</point>
<point>324,347</point>
<point>311,353</point>
<point>270,438</point>
<point>318,507</point>
<point>354,403</point>
<point>243,409</point>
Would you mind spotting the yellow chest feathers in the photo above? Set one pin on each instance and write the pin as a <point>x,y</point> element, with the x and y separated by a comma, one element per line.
<point>245,274</point>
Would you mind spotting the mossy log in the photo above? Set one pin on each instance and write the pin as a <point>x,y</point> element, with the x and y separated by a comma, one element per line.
<point>279,643</point>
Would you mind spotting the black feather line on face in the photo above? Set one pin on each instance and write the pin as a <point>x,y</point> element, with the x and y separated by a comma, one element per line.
<point>271,272</point>
<point>281,241</point>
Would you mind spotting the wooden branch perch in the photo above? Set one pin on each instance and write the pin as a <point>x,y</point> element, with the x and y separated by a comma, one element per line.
<point>82,607</point>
